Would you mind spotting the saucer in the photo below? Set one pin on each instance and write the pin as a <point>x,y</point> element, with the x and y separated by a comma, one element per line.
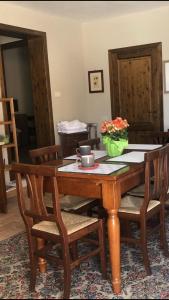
<point>95,166</point>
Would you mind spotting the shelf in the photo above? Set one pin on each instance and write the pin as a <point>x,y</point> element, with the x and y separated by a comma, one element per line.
<point>8,145</point>
<point>8,167</point>
<point>10,129</point>
<point>6,123</point>
<point>5,167</point>
<point>7,104</point>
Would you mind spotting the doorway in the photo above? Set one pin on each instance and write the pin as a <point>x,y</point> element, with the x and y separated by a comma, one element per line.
<point>136,89</point>
<point>18,85</point>
<point>35,47</point>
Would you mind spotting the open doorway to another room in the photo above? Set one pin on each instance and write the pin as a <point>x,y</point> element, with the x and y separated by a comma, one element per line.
<point>18,85</point>
<point>24,76</point>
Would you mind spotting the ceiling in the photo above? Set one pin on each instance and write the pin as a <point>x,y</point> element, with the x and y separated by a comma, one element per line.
<point>89,10</point>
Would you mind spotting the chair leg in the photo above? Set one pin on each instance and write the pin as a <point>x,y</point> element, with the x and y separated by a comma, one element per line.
<point>127,228</point>
<point>163,240</point>
<point>144,247</point>
<point>73,250</point>
<point>102,243</point>
<point>67,273</point>
<point>102,213</point>
<point>33,263</point>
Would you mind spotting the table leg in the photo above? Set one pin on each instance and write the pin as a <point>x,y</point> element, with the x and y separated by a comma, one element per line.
<point>111,201</point>
<point>41,261</point>
<point>114,249</point>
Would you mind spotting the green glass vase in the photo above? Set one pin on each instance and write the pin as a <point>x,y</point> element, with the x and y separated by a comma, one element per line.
<point>114,148</point>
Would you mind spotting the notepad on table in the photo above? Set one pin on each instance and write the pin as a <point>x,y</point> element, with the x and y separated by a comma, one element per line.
<point>133,157</point>
<point>101,169</point>
<point>143,146</point>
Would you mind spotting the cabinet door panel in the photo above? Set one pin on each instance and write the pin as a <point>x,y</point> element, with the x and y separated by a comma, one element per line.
<point>69,142</point>
<point>136,88</point>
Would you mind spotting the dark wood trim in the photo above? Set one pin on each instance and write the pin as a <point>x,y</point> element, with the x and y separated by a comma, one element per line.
<point>15,44</point>
<point>19,32</point>
<point>48,96</point>
<point>2,77</point>
<point>27,36</point>
<point>132,49</point>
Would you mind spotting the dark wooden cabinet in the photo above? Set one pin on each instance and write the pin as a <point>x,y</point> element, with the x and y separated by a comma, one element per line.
<point>69,141</point>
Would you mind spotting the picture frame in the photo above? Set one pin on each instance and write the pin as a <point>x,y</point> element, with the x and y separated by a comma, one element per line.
<point>166,76</point>
<point>96,83</point>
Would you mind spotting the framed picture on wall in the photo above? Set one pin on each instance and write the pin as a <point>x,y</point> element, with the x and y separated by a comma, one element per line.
<point>166,76</point>
<point>96,84</point>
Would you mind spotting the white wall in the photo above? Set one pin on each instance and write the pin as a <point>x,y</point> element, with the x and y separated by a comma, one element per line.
<point>73,50</point>
<point>65,53</point>
<point>130,30</point>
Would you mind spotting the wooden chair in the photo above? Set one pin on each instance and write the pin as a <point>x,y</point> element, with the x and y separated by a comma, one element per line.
<point>69,203</point>
<point>167,179</point>
<point>59,229</point>
<point>94,143</point>
<point>141,210</point>
<point>160,137</point>
<point>139,190</point>
<point>44,154</point>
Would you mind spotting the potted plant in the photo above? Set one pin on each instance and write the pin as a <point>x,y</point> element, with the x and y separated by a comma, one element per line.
<point>115,135</point>
<point>4,138</point>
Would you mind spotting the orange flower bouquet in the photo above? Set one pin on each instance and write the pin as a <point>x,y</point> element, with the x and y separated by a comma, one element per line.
<point>115,135</point>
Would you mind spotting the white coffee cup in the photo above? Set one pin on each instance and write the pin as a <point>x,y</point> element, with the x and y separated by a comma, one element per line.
<point>84,150</point>
<point>87,160</point>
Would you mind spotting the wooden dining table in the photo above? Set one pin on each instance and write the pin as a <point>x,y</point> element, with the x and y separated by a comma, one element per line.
<point>109,188</point>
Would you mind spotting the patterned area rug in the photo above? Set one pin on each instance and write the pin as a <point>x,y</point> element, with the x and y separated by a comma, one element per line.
<point>87,282</point>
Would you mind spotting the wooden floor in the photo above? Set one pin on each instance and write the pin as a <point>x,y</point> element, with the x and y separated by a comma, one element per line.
<point>11,223</point>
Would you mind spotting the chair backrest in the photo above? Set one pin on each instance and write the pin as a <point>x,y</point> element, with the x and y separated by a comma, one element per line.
<point>31,200</point>
<point>94,143</point>
<point>45,154</point>
<point>161,137</point>
<point>164,152</point>
<point>154,176</point>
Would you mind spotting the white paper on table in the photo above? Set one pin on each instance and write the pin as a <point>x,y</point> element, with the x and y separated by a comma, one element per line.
<point>97,154</point>
<point>133,157</point>
<point>143,146</point>
<point>101,169</point>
